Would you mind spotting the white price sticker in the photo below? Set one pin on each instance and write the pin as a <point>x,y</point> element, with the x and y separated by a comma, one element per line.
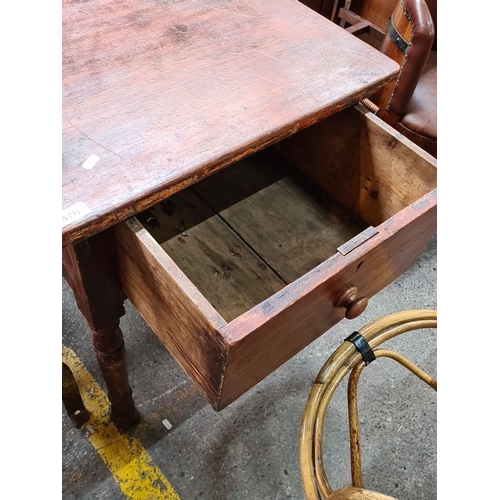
<point>90,162</point>
<point>75,212</point>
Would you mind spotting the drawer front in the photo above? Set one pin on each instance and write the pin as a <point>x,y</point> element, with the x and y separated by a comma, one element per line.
<point>225,358</point>
<point>272,332</point>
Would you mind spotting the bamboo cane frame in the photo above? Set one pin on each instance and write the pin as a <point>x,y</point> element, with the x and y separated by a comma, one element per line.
<point>344,359</point>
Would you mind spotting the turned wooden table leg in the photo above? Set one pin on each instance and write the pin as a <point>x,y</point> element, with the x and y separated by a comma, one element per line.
<point>110,352</point>
<point>91,271</point>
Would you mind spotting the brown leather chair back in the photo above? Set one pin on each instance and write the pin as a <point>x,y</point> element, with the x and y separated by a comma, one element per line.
<point>432,4</point>
<point>408,40</point>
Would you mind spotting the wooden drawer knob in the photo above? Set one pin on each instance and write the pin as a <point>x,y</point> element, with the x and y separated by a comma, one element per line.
<point>354,306</point>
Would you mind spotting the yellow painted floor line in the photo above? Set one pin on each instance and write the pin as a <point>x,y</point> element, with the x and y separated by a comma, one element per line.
<point>130,464</point>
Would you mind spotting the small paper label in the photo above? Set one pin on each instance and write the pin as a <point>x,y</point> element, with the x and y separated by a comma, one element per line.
<point>75,212</point>
<point>90,162</point>
<point>167,424</point>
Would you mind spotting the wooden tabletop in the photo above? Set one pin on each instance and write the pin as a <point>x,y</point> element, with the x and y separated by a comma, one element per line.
<point>158,94</point>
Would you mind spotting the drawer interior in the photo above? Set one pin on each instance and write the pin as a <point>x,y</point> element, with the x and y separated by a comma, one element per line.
<point>240,271</point>
<point>247,231</point>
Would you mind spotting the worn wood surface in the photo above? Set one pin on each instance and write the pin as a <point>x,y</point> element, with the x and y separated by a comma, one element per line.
<point>165,93</point>
<point>268,335</point>
<point>244,233</point>
<point>218,262</point>
<point>292,225</point>
<point>361,162</point>
<point>91,270</point>
<point>172,306</point>
<point>259,340</point>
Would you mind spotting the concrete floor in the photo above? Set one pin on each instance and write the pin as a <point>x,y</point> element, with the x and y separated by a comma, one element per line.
<point>250,449</point>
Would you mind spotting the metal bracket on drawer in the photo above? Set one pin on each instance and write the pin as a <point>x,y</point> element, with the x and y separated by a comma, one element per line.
<point>353,243</point>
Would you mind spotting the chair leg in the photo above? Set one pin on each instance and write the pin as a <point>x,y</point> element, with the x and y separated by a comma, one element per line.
<point>72,399</point>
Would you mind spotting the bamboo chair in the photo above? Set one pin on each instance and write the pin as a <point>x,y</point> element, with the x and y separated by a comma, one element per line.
<point>352,356</point>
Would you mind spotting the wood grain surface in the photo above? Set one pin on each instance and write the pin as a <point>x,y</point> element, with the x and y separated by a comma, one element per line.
<point>290,223</point>
<point>172,306</point>
<point>235,354</point>
<point>360,161</point>
<point>274,331</point>
<point>166,93</point>
<point>244,233</point>
<point>218,262</point>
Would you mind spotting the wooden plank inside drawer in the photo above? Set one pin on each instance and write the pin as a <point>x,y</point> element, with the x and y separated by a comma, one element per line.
<point>292,225</point>
<point>243,234</point>
<point>218,262</point>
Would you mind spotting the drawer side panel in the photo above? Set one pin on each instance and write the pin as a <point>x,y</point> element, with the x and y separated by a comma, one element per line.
<point>179,315</point>
<point>369,167</point>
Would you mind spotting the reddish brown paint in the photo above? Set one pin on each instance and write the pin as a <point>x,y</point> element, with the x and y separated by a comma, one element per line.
<point>166,93</point>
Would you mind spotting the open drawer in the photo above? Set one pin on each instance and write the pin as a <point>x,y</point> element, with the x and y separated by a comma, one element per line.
<point>242,270</point>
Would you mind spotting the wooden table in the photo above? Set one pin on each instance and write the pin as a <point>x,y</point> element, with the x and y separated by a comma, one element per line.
<point>158,95</point>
